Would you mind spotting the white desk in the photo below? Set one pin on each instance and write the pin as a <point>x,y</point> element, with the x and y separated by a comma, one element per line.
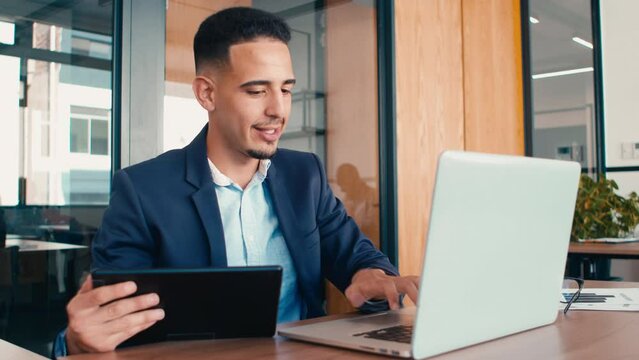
<point>27,245</point>
<point>55,227</point>
<point>10,351</point>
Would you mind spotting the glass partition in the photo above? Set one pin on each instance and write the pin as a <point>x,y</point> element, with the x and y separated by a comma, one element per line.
<point>563,94</point>
<point>55,140</point>
<point>55,76</point>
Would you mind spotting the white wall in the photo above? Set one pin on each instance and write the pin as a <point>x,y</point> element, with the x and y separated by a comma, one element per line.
<point>9,136</point>
<point>627,180</point>
<point>183,116</point>
<point>619,34</point>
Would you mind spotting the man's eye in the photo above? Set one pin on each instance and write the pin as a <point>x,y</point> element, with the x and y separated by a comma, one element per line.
<point>286,91</point>
<point>255,92</point>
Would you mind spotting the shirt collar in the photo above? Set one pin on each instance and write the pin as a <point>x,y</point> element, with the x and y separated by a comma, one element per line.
<point>222,180</point>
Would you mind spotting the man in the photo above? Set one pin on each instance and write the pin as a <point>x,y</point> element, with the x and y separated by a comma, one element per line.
<point>231,198</point>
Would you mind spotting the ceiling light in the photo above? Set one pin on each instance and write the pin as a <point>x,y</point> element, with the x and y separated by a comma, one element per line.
<point>582,42</point>
<point>534,20</point>
<point>562,73</point>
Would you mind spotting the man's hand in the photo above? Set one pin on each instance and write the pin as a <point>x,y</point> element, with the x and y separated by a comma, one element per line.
<point>375,284</point>
<point>96,327</point>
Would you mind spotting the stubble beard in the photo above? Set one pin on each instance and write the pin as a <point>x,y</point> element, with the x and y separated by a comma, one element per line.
<point>261,155</point>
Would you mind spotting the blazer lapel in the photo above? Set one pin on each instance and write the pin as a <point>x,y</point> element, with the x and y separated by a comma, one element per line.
<point>198,174</point>
<point>287,218</point>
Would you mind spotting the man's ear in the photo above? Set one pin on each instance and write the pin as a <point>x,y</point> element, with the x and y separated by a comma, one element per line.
<point>204,91</point>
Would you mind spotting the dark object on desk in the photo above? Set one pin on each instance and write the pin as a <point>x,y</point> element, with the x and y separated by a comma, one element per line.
<point>213,303</point>
<point>3,230</point>
<point>593,261</point>
<point>590,268</point>
<point>8,280</point>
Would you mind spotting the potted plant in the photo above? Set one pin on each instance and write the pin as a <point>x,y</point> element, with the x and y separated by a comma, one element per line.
<point>602,213</point>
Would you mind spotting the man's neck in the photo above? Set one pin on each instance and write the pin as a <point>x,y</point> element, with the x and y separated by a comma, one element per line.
<point>238,167</point>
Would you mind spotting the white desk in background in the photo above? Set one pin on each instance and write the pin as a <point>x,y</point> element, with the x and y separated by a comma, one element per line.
<point>10,351</point>
<point>26,245</point>
<point>55,227</point>
<point>30,245</point>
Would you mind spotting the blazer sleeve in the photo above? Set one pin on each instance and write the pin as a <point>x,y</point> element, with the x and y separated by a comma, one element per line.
<point>344,248</point>
<point>123,240</point>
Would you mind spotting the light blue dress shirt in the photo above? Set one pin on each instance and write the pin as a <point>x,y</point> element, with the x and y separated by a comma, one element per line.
<point>252,234</point>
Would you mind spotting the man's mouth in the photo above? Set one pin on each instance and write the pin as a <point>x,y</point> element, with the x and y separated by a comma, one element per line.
<point>268,133</point>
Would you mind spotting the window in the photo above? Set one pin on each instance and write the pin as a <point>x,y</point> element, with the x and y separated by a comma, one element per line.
<point>7,33</point>
<point>562,82</point>
<point>99,137</point>
<point>89,131</point>
<point>79,142</point>
<point>90,44</point>
<point>55,124</point>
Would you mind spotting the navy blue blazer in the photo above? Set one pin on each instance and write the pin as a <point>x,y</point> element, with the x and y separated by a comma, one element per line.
<point>164,213</point>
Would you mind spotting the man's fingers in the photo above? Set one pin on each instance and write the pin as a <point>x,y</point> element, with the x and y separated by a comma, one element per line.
<point>90,329</point>
<point>106,294</point>
<point>122,336</point>
<point>358,293</point>
<point>87,285</point>
<point>133,320</point>
<point>412,293</point>
<point>375,284</point>
<point>392,295</point>
<point>354,295</point>
<point>120,308</point>
<point>408,287</point>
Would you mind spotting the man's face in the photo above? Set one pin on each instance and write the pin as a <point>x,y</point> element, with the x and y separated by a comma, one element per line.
<point>253,98</point>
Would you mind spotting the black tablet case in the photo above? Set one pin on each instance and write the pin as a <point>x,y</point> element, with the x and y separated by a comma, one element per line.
<point>212,303</point>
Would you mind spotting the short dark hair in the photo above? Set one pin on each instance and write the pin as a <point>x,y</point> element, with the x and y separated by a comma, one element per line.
<point>233,26</point>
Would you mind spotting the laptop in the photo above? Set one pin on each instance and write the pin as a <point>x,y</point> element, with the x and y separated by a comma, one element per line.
<point>494,260</point>
<point>204,303</point>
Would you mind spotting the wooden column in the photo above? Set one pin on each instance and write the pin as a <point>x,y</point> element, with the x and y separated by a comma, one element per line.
<point>430,111</point>
<point>459,86</point>
<point>183,17</point>
<point>493,86</point>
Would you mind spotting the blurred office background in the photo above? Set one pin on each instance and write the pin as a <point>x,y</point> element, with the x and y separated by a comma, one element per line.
<point>92,86</point>
<point>578,113</point>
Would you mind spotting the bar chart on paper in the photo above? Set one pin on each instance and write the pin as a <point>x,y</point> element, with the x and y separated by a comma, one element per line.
<point>626,299</point>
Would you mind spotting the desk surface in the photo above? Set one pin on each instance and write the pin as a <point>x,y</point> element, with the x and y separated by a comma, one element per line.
<point>627,250</point>
<point>28,245</point>
<point>10,351</point>
<point>578,335</point>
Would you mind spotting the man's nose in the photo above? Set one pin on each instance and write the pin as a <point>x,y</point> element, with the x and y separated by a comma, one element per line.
<point>276,106</point>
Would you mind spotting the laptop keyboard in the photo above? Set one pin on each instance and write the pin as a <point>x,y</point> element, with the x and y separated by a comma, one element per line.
<point>400,333</point>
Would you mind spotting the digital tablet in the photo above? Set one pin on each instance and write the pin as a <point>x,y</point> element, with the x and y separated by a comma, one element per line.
<point>211,303</point>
